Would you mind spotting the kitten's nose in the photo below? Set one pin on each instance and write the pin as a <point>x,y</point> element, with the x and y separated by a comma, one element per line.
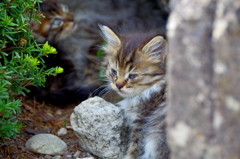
<point>119,85</point>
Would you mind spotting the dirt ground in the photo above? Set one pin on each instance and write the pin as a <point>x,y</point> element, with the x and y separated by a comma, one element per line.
<point>41,118</point>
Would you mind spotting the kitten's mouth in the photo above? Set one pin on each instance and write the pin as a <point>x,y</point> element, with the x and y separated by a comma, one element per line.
<point>121,91</point>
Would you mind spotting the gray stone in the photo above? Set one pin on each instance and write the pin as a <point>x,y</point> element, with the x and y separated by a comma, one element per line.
<point>100,128</point>
<point>62,131</point>
<point>77,154</point>
<point>46,144</point>
<point>56,157</point>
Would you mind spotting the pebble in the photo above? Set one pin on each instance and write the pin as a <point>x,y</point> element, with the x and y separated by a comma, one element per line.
<point>46,144</point>
<point>62,132</point>
<point>77,154</point>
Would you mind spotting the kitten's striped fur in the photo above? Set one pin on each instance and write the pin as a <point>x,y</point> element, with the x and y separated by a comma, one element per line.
<point>135,67</point>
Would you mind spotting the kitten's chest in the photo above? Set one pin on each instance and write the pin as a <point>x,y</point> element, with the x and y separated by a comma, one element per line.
<point>141,108</point>
<point>131,111</point>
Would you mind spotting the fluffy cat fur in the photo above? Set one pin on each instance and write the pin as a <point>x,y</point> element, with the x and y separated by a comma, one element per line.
<point>135,68</point>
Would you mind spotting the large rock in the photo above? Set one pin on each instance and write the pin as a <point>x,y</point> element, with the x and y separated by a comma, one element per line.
<point>203,79</point>
<point>100,128</point>
<point>46,144</point>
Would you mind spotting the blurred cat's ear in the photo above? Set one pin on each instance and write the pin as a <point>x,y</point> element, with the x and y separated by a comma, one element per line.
<point>110,37</point>
<point>156,49</point>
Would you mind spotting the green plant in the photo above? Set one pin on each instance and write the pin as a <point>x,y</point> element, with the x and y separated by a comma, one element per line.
<point>21,62</point>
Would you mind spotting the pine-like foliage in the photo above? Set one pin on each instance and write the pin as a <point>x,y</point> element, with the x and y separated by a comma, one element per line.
<point>21,62</point>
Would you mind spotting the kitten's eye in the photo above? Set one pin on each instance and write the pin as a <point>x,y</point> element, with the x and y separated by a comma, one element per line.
<point>132,76</point>
<point>114,72</point>
<point>56,23</point>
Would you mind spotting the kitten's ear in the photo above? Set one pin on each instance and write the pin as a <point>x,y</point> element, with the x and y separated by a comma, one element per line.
<point>156,49</point>
<point>110,37</point>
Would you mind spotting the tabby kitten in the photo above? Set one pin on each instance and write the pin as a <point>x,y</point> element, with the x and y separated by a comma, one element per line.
<point>57,23</point>
<point>135,68</point>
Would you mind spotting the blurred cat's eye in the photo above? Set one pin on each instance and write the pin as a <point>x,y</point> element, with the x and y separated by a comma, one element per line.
<point>132,76</point>
<point>114,72</point>
<point>57,23</point>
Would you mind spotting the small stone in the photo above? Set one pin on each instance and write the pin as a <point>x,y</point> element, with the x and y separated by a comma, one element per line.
<point>62,132</point>
<point>77,154</point>
<point>69,126</point>
<point>56,157</point>
<point>58,112</point>
<point>46,144</point>
<point>50,114</point>
<point>47,157</point>
<point>68,157</point>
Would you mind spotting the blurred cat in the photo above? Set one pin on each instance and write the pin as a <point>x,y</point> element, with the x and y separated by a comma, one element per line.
<point>58,22</point>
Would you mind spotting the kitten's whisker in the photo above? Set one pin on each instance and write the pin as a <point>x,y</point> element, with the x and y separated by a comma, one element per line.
<point>104,77</point>
<point>99,88</point>
<point>86,85</point>
<point>102,92</point>
<point>106,80</point>
<point>108,91</point>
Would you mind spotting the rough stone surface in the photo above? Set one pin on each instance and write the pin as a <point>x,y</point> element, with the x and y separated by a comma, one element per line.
<point>46,144</point>
<point>203,79</point>
<point>100,128</point>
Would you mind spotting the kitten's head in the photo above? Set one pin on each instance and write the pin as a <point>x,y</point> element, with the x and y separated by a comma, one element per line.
<point>133,62</point>
<point>57,24</point>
